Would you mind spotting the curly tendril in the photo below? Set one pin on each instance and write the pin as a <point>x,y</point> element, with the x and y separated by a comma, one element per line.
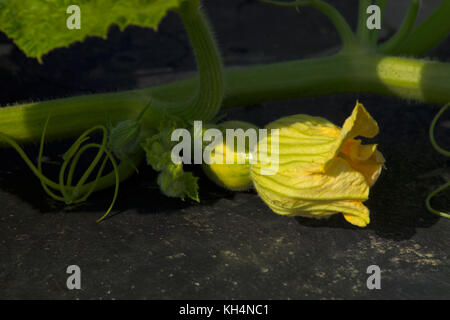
<point>445,153</point>
<point>69,192</point>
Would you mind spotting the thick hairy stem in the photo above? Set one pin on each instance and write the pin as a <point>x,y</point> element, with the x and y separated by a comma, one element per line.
<point>420,80</point>
<point>69,116</point>
<point>205,104</point>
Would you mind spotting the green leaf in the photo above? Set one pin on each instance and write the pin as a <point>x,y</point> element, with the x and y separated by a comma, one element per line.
<point>174,182</point>
<point>172,179</point>
<point>39,26</point>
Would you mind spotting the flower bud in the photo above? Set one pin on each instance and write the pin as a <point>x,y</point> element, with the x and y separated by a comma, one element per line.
<point>322,169</point>
<point>233,176</point>
<point>124,137</point>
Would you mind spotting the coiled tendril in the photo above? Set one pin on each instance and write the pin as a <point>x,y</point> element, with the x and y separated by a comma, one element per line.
<point>68,191</point>
<point>445,153</point>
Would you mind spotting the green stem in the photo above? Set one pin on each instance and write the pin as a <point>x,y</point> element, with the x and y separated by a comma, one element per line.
<point>421,80</point>
<point>69,116</point>
<point>363,32</point>
<point>428,34</point>
<point>394,43</point>
<point>374,35</point>
<point>209,92</point>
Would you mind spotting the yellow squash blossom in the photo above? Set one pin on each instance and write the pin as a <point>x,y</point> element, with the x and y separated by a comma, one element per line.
<point>322,169</point>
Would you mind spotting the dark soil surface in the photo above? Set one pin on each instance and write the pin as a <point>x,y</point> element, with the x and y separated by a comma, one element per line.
<point>231,246</point>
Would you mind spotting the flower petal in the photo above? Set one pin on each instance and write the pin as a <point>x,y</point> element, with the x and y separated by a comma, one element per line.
<point>353,211</point>
<point>339,182</point>
<point>365,159</point>
<point>360,123</point>
<point>305,142</point>
<point>356,213</point>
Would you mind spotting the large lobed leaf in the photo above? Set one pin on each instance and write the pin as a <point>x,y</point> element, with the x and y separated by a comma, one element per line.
<point>39,26</point>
